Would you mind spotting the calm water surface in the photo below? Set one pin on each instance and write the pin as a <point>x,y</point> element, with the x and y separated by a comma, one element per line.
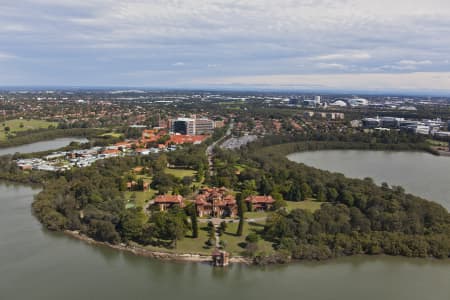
<point>42,146</point>
<point>419,173</point>
<point>37,264</point>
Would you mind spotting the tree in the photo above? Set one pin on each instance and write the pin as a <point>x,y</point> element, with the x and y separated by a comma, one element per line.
<point>252,243</point>
<point>223,227</point>
<point>332,194</point>
<point>265,186</point>
<point>103,231</point>
<point>294,193</point>
<point>321,195</point>
<point>176,225</point>
<point>161,163</point>
<point>306,191</point>
<point>140,184</point>
<point>252,238</point>
<point>192,212</point>
<point>346,197</point>
<point>131,224</point>
<point>241,213</point>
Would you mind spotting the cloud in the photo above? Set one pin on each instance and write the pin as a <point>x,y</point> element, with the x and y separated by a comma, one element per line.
<point>178,64</point>
<point>332,66</point>
<point>350,55</point>
<point>6,56</point>
<point>369,81</point>
<point>415,62</point>
<point>244,38</point>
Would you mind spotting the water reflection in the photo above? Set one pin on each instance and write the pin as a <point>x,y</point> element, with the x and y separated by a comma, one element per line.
<point>422,174</point>
<point>41,146</point>
<point>38,264</point>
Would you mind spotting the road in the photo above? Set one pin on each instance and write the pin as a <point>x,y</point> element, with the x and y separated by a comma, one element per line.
<point>210,150</point>
<point>236,143</point>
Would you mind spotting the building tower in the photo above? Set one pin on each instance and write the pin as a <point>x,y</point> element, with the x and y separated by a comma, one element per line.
<point>317,100</point>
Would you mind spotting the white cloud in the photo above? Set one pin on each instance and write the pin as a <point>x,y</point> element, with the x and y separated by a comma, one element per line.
<point>335,66</point>
<point>369,81</point>
<point>242,37</point>
<point>6,56</point>
<point>350,55</point>
<point>415,62</point>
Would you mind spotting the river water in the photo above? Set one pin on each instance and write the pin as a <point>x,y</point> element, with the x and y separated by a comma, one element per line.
<point>42,146</point>
<point>419,173</point>
<point>37,264</point>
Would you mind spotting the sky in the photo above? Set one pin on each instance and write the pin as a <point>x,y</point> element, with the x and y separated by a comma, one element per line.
<point>284,44</point>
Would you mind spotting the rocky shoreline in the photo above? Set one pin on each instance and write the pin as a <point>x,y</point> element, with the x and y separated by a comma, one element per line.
<point>167,256</point>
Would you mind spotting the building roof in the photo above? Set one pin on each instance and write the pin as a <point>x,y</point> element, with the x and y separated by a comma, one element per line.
<point>124,144</point>
<point>215,196</point>
<point>177,199</point>
<point>184,139</point>
<point>111,151</point>
<point>260,199</point>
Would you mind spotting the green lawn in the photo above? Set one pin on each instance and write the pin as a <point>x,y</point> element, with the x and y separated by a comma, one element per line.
<point>141,198</point>
<point>15,126</point>
<point>255,215</point>
<point>437,143</point>
<point>240,168</point>
<point>113,134</point>
<point>306,205</point>
<point>180,173</point>
<point>189,244</point>
<point>235,244</point>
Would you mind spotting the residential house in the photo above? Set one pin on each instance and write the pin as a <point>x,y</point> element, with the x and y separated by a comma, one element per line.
<point>216,202</point>
<point>168,201</point>
<point>260,203</point>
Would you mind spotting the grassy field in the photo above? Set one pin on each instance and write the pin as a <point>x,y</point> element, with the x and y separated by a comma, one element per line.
<point>113,134</point>
<point>15,126</point>
<point>306,205</point>
<point>180,173</point>
<point>437,143</point>
<point>310,205</point>
<point>189,244</point>
<point>236,244</point>
<point>141,198</point>
<point>255,215</point>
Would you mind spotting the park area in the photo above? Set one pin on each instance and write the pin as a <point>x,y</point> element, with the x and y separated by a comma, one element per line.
<point>11,127</point>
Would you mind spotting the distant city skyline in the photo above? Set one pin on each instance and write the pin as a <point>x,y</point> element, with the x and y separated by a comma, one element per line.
<point>314,45</point>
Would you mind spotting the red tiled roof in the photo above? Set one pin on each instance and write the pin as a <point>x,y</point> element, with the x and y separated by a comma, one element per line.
<point>169,199</point>
<point>216,196</point>
<point>260,199</point>
<point>111,151</point>
<point>184,139</point>
<point>124,144</point>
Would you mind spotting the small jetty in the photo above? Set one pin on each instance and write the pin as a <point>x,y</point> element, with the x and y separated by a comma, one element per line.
<point>220,258</point>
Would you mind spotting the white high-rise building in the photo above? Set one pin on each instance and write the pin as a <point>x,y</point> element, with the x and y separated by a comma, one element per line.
<point>192,126</point>
<point>317,99</point>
